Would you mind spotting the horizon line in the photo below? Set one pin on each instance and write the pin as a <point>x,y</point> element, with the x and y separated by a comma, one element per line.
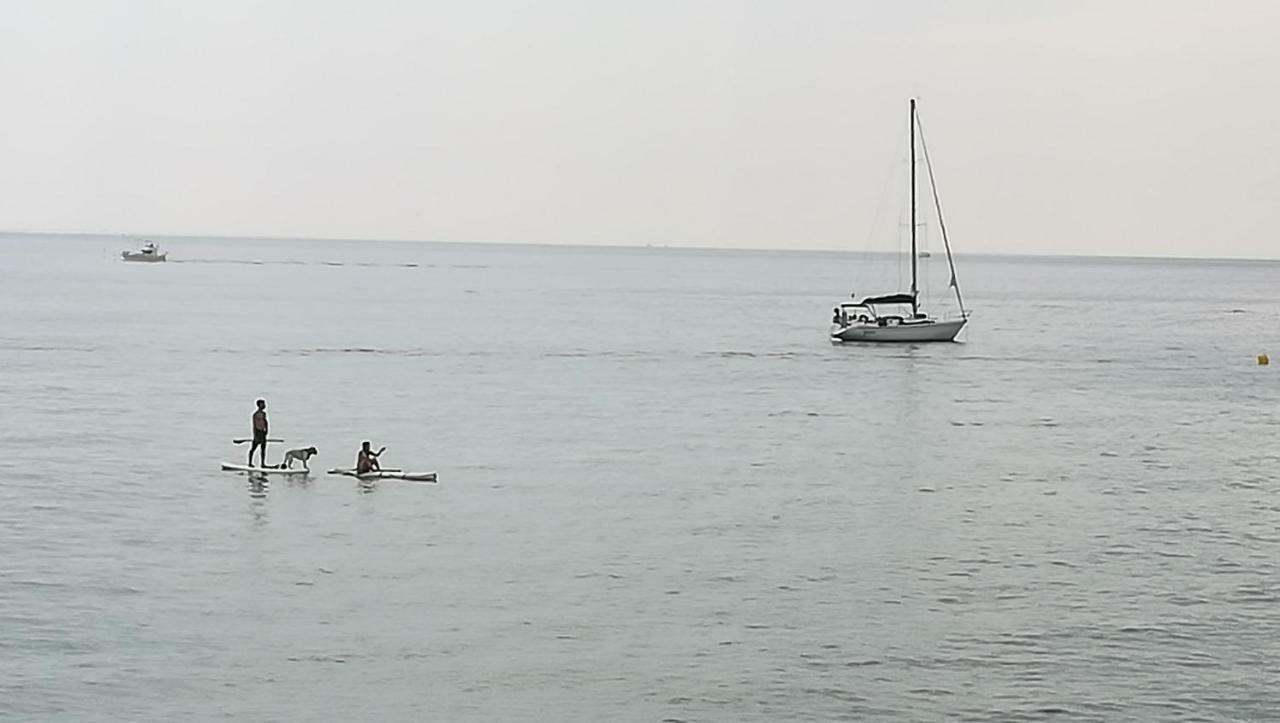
<point>671,247</point>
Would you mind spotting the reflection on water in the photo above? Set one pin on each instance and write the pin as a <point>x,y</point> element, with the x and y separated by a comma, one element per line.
<point>258,487</point>
<point>258,484</point>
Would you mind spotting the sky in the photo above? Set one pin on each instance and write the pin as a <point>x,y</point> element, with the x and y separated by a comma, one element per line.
<point>1116,127</point>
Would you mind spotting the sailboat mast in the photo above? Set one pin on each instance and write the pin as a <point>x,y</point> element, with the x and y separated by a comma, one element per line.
<point>911,122</point>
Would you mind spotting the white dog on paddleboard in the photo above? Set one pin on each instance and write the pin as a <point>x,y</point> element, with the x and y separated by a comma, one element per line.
<point>301,455</point>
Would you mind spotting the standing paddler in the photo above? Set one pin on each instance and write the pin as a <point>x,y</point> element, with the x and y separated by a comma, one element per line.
<point>259,433</point>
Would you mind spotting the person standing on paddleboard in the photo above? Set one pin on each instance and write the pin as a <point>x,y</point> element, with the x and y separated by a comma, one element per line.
<point>259,432</point>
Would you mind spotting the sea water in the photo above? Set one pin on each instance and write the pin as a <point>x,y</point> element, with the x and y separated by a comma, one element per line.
<point>664,495</point>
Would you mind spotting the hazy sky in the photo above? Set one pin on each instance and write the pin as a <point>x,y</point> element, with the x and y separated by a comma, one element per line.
<point>1073,126</point>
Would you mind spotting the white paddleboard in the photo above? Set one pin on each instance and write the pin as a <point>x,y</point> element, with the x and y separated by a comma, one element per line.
<point>387,474</point>
<point>229,467</point>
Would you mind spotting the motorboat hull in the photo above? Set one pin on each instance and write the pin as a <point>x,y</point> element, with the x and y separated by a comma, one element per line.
<point>908,332</point>
<point>139,256</point>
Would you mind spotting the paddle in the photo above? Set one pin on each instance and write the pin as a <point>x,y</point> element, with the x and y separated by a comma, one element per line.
<point>250,439</point>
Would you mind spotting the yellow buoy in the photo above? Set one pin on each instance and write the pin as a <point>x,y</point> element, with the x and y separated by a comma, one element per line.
<point>1263,360</point>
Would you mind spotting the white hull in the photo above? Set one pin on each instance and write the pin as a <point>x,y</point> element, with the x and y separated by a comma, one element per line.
<point>138,256</point>
<point>909,332</point>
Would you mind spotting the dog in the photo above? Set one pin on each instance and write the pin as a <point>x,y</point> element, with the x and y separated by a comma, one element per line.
<point>302,455</point>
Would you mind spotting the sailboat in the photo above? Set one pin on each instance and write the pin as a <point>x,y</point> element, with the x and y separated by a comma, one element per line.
<point>899,316</point>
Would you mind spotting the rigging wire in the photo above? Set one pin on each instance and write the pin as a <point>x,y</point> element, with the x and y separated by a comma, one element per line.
<point>890,181</point>
<point>942,226</point>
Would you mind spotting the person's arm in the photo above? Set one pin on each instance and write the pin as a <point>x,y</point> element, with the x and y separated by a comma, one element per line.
<point>380,451</point>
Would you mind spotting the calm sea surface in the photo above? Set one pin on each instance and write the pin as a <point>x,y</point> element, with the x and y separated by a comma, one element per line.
<point>663,496</point>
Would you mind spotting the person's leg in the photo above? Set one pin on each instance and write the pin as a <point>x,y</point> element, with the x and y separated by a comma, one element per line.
<point>264,453</point>
<point>252,448</point>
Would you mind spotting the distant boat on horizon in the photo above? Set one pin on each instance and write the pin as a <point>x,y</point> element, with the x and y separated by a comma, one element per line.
<point>150,251</point>
<point>898,317</point>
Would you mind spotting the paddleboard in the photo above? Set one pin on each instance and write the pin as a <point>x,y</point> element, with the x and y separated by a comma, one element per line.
<point>387,474</point>
<point>229,467</point>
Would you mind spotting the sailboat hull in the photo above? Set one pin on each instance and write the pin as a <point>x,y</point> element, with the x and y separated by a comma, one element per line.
<point>911,332</point>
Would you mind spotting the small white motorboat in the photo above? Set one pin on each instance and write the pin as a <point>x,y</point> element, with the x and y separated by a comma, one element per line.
<point>149,252</point>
